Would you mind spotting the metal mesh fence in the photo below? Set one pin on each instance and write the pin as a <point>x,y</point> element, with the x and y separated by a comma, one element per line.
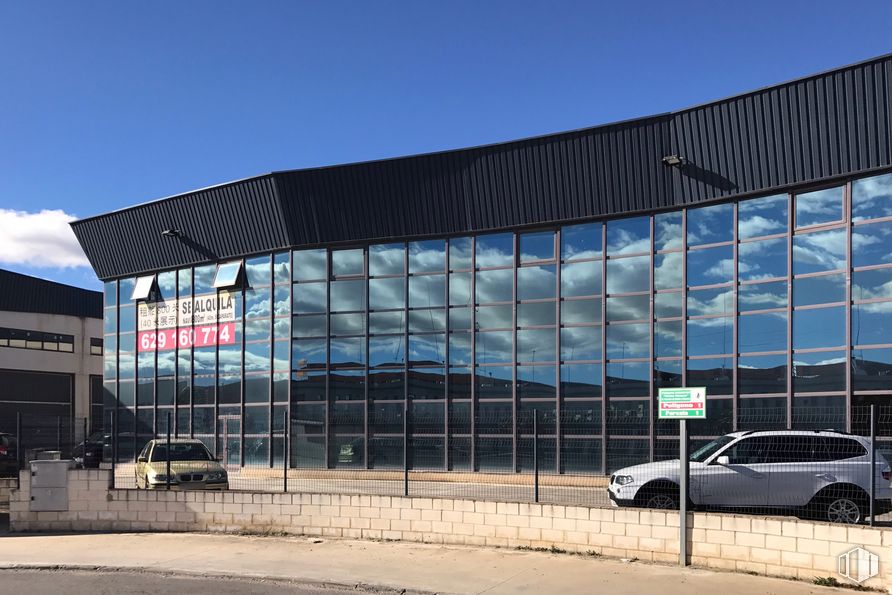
<point>808,468</point>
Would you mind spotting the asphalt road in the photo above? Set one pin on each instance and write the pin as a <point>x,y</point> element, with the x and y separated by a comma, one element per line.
<point>52,582</point>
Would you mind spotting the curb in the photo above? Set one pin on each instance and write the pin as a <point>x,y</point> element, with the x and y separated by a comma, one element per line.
<point>284,580</point>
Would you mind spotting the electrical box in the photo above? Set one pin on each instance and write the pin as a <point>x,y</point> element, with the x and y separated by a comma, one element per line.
<point>49,485</point>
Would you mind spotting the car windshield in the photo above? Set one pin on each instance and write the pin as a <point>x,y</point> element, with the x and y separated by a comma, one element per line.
<point>181,452</point>
<point>710,448</point>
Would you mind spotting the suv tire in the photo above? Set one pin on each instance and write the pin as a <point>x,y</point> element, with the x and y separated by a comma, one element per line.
<point>844,505</point>
<point>661,496</point>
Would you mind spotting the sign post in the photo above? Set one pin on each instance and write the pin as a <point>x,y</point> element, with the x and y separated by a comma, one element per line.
<point>682,404</point>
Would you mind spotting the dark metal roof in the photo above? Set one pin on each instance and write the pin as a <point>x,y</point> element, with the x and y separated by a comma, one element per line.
<point>809,130</point>
<point>22,293</point>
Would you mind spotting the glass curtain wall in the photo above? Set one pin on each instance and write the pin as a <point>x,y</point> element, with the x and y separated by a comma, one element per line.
<point>465,340</point>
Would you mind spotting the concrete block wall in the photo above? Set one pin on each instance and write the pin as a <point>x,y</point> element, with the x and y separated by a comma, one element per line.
<point>6,486</point>
<point>777,546</point>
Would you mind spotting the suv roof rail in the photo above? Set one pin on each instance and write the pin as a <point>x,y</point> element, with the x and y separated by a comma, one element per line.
<point>835,431</point>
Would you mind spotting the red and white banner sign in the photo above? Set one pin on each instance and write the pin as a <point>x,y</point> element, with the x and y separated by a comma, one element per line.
<point>168,325</point>
<point>200,336</point>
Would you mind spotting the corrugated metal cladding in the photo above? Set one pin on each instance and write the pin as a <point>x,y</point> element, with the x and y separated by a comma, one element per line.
<point>820,127</point>
<point>22,293</point>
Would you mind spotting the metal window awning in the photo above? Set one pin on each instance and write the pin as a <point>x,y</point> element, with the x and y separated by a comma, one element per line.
<point>143,288</point>
<point>227,274</point>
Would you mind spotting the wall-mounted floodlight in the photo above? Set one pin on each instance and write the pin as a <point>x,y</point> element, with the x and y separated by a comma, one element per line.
<point>673,160</point>
<point>171,233</point>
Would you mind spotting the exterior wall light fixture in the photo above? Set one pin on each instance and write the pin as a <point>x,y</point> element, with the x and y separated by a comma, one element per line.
<point>171,233</point>
<point>673,160</point>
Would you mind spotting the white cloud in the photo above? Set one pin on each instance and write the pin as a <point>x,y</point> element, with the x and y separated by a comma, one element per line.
<point>41,239</point>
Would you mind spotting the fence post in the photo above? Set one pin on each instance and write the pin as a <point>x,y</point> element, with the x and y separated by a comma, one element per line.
<point>168,450</point>
<point>19,456</point>
<point>84,437</point>
<point>285,448</point>
<point>405,448</point>
<point>59,433</point>
<point>535,455</point>
<point>873,461</point>
<point>114,445</point>
<point>684,470</point>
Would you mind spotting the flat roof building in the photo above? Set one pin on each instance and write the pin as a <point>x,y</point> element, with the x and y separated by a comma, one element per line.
<point>743,245</point>
<point>50,354</point>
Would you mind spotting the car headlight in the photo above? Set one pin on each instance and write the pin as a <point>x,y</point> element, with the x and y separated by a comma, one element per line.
<point>159,477</point>
<point>623,479</point>
<point>217,476</point>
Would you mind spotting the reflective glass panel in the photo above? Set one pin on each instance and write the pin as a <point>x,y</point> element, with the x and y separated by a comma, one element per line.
<point>762,260</point>
<point>872,244</point>
<point>495,286</point>
<point>667,305</point>
<point>668,231</point>
<point>821,327</point>
<point>711,266</point>
<point>821,251</point>
<point>581,343</point>
<point>282,267</point>
<point>628,236</point>
<point>762,296</point>
<point>258,271</point>
<point>387,351</point>
<point>628,341</point>
<point>384,294</point>
<point>667,374</point>
<point>461,253</point>
<point>708,336</point>
<point>581,381</point>
<point>633,307</point>
<point>627,275</point>
<point>348,351</point>
<point>668,270</point>
<point>310,297</point>
<point>820,206</point>
<point>387,259</point>
<point>580,311</point>
<point>762,374</point>
<point>308,353</point>
<point>762,332</point>
<point>582,278</point>
<point>347,385</point>
<point>495,382</point>
<point>428,291</point>
<point>459,319</point>
<point>460,289</point>
<point>581,241</point>
<point>427,256</point>
<point>711,225</point>
<point>872,197</point>
<point>536,314</point>
<point>427,383</point>
<point>536,345</point>
<point>536,283</point>
<point>427,349</point>
<point>346,324</point>
<point>495,317</point>
<point>872,369</point>
<point>713,373</point>
<point>704,302</point>
<point>494,347</point>
<point>383,322</point>
<point>427,320</point>
<point>495,250</point>
<point>537,382</point>
<point>819,290</point>
<point>310,265</point>
<point>819,372</point>
<point>459,349</point>
<point>762,216</point>
<point>308,326</point>
<point>871,323</point>
<point>667,338</point>
<point>347,262</point>
<point>626,379</point>
<point>538,245</point>
<point>347,295</point>
<point>875,283</point>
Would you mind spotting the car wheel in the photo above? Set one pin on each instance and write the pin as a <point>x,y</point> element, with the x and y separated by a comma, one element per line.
<point>844,508</point>
<point>661,501</point>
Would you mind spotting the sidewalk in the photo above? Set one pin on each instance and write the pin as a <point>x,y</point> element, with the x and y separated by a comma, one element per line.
<point>414,567</point>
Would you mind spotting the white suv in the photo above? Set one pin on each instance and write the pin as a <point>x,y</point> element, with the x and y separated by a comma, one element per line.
<point>817,474</point>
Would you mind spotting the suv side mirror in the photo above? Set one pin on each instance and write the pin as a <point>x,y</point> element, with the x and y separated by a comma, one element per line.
<point>142,460</point>
<point>724,460</point>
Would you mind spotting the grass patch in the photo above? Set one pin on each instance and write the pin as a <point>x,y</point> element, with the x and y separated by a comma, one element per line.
<point>556,550</point>
<point>830,581</point>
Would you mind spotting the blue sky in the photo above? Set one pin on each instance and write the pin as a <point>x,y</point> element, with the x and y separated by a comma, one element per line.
<point>107,104</point>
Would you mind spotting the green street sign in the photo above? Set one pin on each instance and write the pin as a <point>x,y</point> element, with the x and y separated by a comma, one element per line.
<point>682,403</point>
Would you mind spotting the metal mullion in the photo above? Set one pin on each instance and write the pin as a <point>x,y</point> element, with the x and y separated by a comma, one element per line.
<point>651,426</point>
<point>447,419</point>
<point>734,328</point>
<point>558,393</point>
<point>763,281</point>
<point>242,379</point>
<point>514,458</point>
<point>684,297</point>
<point>700,247</point>
<point>368,376</point>
<point>405,278</point>
<point>604,408</point>
<point>217,378</point>
<point>847,216</point>
<point>829,273</point>
<point>869,221</point>
<point>774,236</point>
<point>328,397</point>
<point>791,222</point>
<point>473,331</point>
